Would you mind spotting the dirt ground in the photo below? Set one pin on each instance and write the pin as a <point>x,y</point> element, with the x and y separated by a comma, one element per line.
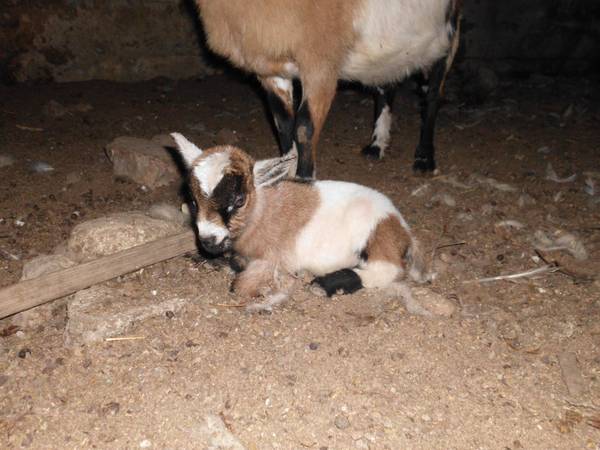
<point>356,371</point>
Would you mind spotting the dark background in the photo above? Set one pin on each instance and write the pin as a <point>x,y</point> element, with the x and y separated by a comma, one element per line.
<point>132,40</point>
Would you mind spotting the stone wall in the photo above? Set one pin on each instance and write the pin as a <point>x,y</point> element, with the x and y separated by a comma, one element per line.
<point>129,40</point>
<point>123,40</point>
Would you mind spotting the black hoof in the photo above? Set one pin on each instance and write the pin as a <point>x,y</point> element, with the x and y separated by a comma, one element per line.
<point>345,281</point>
<point>424,165</point>
<point>372,152</point>
<point>305,172</point>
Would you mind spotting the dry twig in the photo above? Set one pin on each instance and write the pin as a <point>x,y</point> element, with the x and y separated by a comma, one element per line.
<point>124,338</point>
<point>513,276</point>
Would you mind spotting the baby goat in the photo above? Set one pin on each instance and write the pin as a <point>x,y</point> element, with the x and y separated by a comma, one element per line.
<point>376,42</point>
<point>348,236</point>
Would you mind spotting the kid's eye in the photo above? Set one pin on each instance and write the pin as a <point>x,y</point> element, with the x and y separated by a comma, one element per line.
<point>239,201</point>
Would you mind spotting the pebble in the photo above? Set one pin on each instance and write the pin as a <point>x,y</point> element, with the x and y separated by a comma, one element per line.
<point>111,408</point>
<point>6,160</point>
<point>23,353</point>
<point>341,422</point>
<point>146,443</point>
<point>41,167</point>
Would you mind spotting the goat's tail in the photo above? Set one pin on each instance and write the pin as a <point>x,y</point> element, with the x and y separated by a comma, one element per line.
<point>417,270</point>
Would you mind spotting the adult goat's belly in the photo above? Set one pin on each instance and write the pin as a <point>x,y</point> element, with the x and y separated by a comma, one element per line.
<point>396,38</point>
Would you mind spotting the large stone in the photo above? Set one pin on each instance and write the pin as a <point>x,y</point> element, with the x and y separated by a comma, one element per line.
<point>101,312</point>
<point>44,264</point>
<point>142,161</point>
<point>111,234</point>
<point>52,313</point>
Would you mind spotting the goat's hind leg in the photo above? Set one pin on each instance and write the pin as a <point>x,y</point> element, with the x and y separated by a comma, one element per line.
<point>280,96</point>
<point>380,138</point>
<point>431,91</point>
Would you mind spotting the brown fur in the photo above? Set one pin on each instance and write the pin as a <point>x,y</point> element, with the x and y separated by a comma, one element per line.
<point>389,242</point>
<point>255,279</point>
<point>275,223</point>
<point>322,31</point>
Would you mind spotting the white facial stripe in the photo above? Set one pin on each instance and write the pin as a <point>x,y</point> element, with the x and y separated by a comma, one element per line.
<point>209,171</point>
<point>207,230</point>
<point>381,133</point>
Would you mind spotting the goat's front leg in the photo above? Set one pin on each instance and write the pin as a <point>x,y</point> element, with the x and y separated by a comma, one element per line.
<point>257,278</point>
<point>380,139</point>
<point>280,96</point>
<point>318,93</point>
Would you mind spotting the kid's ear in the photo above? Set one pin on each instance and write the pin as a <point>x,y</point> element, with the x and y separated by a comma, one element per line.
<point>188,151</point>
<point>270,171</point>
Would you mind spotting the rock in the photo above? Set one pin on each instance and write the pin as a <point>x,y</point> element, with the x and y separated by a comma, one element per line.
<point>168,212</point>
<point>53,313</point>
<point>6,160</point>
<point>433,302</point>
<point>213,434</point>
<point>341,422</point>
<point>111,234</point>
<point>44,264</point>
<point>164,140</point>
<point>142,161</point>
<point>54,109</point>
<point>73,177</point>
<point>226,136</point>
<point>101,312</point>
<point>57,110</point>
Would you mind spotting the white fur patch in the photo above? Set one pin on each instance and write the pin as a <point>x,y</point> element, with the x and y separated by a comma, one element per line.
<point>341,226</point>
<point>378,274</point>
<point>381,133</point>
<point>207,230</point>
<point>396,38</point>
<point>284,85</point>
<point>209,171</point>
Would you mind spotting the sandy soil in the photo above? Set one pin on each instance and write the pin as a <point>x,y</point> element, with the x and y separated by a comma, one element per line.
<point>352,372</point>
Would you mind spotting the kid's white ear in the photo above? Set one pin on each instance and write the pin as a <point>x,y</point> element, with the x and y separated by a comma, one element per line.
<point>188,151</point>
<point>270,171</point>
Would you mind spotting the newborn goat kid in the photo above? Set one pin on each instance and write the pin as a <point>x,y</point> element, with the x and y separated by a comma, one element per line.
<point>348,235</point>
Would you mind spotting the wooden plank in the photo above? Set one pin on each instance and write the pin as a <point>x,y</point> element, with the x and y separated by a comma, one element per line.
<point>27,294</point>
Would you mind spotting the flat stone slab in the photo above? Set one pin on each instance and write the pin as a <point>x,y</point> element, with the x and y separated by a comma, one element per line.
<point>101,312</point>
<point>117,232</point>
<point>146,162</point>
